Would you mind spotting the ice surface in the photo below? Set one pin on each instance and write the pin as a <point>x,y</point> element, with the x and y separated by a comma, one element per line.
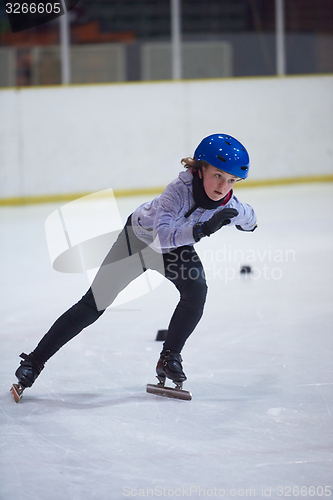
<point>259,366</point>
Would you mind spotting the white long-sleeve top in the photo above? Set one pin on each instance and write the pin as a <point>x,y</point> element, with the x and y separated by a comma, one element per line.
<point>161,223</point>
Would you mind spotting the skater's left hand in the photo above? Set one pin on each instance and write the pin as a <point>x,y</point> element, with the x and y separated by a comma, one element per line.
<point>220,219</point>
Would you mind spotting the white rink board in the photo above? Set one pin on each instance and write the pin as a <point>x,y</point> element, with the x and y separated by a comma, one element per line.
<point>78,139</point>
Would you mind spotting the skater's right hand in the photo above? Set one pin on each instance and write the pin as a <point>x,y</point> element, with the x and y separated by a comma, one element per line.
<point>215,223</point>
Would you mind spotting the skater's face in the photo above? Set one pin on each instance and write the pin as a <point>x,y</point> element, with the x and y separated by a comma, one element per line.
<point>216,182</point>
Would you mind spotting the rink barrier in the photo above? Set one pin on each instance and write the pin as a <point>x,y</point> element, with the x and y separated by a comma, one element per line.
<point>55,198</point>
<point>78,135</point>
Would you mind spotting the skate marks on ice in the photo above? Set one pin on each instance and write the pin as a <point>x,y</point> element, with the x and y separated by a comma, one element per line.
<point>50,402</point>
<point>261,413</point>
<point>157,389</point>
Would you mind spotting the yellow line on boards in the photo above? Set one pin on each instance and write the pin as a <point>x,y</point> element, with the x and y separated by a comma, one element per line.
<point>284,181</point>
<point>54,198</point>
<point>169,81</point>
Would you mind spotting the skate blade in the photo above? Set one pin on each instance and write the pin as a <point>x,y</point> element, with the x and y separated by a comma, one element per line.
<point>169,392</point>
<point>17,391</point>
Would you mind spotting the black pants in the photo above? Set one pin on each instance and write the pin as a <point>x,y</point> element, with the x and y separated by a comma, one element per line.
<point>128,258</point>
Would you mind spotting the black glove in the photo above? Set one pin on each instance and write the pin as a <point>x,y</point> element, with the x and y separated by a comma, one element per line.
<point>247,230</point>
<point>220,219</point>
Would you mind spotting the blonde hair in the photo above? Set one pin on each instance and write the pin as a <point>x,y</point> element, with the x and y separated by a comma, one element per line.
<point>193,163</point>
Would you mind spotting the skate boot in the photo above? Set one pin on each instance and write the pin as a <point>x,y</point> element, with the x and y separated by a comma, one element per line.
<point>26,374</point>
<point>170,365</point>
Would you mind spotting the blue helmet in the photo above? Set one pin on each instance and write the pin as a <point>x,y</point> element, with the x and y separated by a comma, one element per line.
<point>224,152</point>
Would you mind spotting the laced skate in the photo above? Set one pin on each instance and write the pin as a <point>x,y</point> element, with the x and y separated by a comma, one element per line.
<point>26,374</point>
<point>170,366</point>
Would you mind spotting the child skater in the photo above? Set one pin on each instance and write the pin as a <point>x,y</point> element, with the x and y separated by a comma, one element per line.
<point>195,205</point>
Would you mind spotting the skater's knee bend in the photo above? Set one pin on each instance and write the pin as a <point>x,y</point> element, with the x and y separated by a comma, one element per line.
<point>89,300</point>
<point>200,291</point>
<point>194,293</point>
<point>84,312</point>
<point>82,315</point>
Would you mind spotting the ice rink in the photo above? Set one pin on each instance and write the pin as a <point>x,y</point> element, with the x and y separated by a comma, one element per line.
<point>259,366</point>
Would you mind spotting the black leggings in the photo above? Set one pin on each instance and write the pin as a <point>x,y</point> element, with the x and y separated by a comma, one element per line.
<point>128,258</point>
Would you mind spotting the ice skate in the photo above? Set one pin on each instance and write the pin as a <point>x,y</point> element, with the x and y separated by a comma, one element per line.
<point>26,374</point>
<point>17,391</point>
<point>170,366</point>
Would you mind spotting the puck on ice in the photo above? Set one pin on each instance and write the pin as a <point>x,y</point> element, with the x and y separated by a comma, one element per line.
<point>245,270</point>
